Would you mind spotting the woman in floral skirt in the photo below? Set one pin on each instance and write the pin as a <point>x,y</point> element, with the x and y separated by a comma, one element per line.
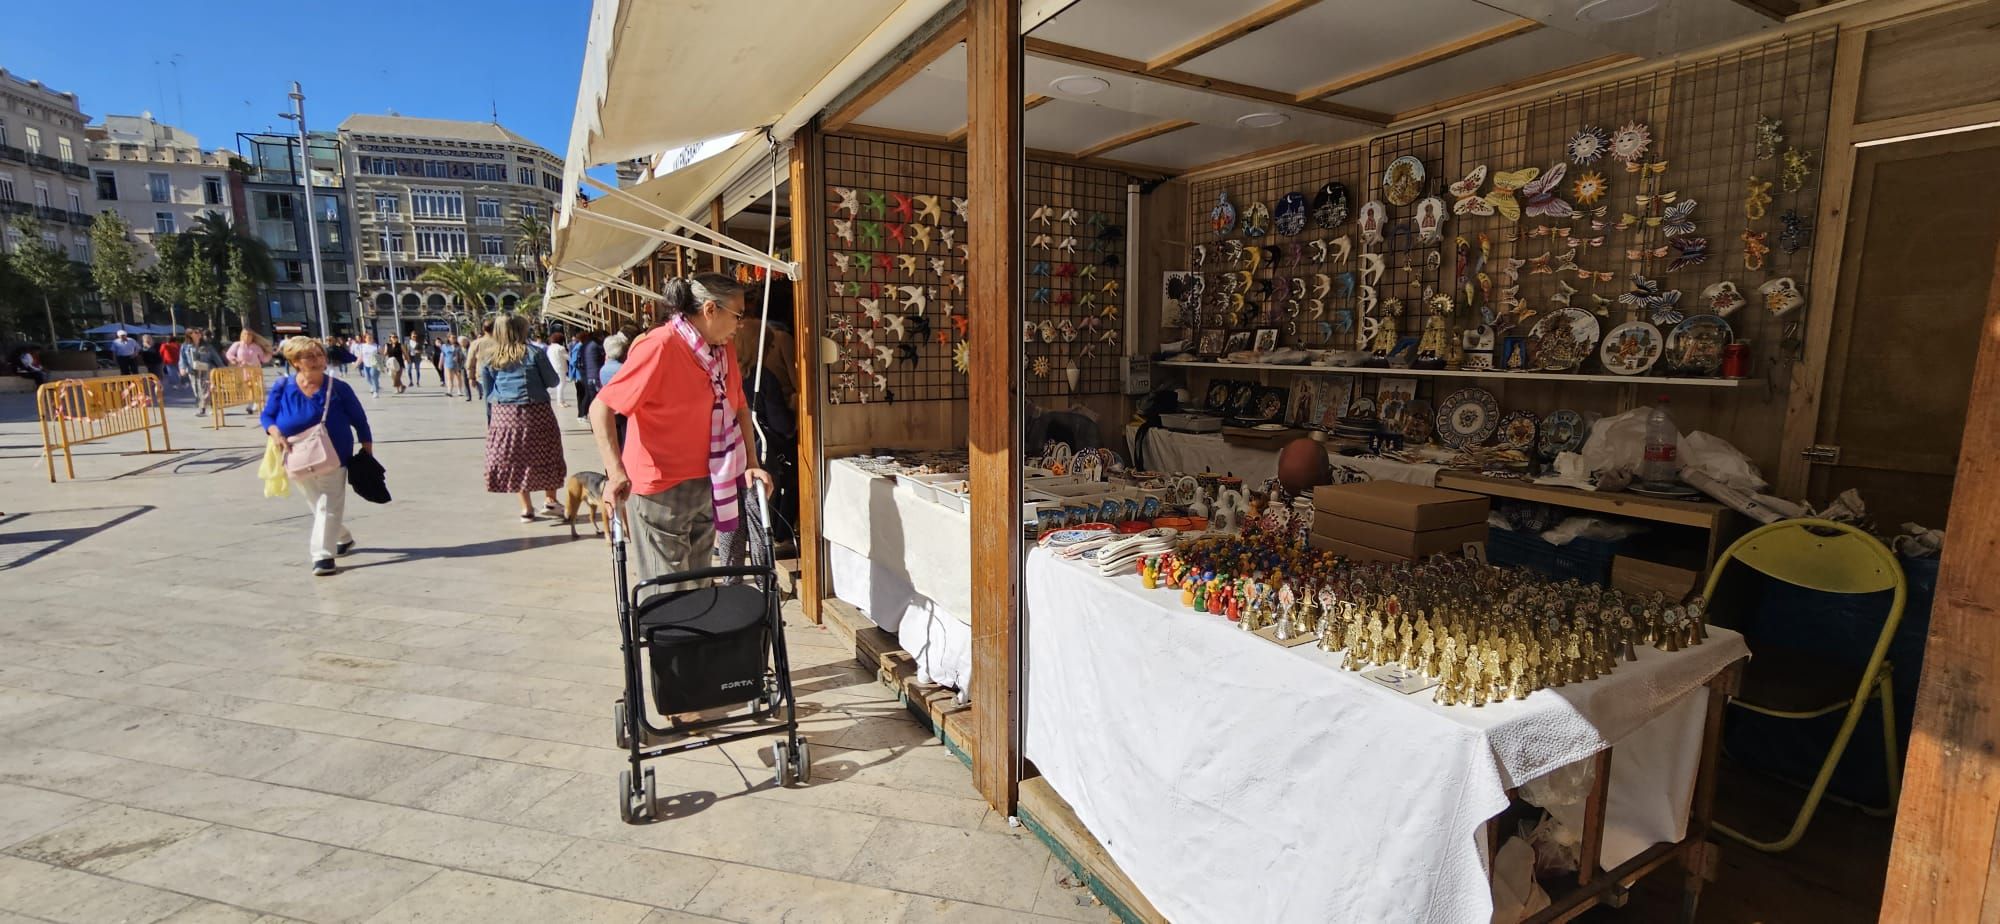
<point>524,451</point>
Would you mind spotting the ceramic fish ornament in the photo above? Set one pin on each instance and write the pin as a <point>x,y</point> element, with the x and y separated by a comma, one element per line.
<point>850,200</point>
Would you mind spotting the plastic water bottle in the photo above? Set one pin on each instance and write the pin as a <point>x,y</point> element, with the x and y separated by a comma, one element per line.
<point>1662,461</point>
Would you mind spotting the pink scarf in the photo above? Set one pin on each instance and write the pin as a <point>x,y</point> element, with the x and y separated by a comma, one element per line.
<point>727,459</point>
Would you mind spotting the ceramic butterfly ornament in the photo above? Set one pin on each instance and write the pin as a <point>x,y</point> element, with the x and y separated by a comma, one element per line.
<point>1465,194</point>
<point>1505,184</point>
<point>1781,296</point>
<point>1689,250</point>
<point>1541,197</point>
<point>1723,298</point>
<point>1588,146</point>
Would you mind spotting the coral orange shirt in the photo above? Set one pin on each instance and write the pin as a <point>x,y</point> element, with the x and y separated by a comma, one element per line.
<point>666,400</point>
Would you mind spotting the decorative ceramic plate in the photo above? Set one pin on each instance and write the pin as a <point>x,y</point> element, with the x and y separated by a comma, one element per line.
<point>1662,489</point>
<point>1631,348</point>
<point>1269,427</point>
<point>1403,182</point>
<point>1330,206</point>
<point>1467,417</point>
<point>1243,400</point>
<point>1363,406</point>
<point>1084,533</point>
<point>1256,220</point>
<point>1223,217</point>
<point>1218,395</point>
<point>1417,423</point>
<point>1270,403</point>
<point>1562,431</point>
<point>1695,346</point>
<point>1517,430</point>
<point>1563,339</point>
<point>1291,214</point>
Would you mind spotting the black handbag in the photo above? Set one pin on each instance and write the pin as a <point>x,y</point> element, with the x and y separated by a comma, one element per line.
<point>368,478</point>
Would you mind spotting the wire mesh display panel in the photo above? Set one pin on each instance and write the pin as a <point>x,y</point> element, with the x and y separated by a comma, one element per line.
<point>1304,283</point>
<point>1076,276</point>
<point>896,247</point>
<point>1412,254</point>
<point>1670,187</point>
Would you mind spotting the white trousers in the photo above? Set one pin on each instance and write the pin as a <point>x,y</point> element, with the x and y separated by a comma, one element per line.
<point>326,496</point>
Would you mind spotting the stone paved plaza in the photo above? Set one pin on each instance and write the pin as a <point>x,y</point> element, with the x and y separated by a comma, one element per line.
<point>195,729</point>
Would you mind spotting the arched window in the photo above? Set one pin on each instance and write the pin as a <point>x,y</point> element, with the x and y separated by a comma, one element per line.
<point>383,303</point>
<point>411,302</point>
<point>508,301</point>
<point>488,298</point>
<point>434,304</point>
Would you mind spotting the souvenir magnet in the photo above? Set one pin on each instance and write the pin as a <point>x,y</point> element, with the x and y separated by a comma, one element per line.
<point>1781,296</point>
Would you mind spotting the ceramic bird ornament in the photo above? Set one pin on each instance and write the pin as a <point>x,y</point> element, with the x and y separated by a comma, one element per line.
<point>1341,248</point>
<point>885,354</point>
<point>915,298</point>
<point>927,207</point>
<point>907,263</point>
<point>1372,267</point>
<point>1042,213</point>
<point>850,200</point>
<point>938,267</point>
<point>962,207</point>
<point>1039,241</point>
<point>949,236</point>
<point>878,203</point>
<point>898,324</point>
<point>844,229</point>
<point>920,235</point>
<point>1068,245</point>
<point>872,308</point>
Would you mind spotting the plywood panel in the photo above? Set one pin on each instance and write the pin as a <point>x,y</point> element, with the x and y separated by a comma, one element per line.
<point>1935,63</point>
<point>1333,39</point>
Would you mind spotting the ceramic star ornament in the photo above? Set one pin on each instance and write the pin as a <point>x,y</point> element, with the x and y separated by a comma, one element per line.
<point>1631,142</point>
<point>1588,188</point>
<point>961,357</point>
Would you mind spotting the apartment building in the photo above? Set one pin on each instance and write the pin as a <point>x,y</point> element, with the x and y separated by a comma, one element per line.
<point>428,190</point>
<point>274,209</point>
<point>43,165</point>
<point>156,177</point>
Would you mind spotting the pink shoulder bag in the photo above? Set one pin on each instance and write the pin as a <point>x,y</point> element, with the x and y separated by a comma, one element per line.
<point>312,451</point>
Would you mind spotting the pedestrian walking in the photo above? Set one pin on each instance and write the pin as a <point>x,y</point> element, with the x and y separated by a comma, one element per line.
<point>149,356</point>
<point>558,353</point>
<point>297,406</point>
<point>28,365</point>
<point>413,362</point>
<point>369,356</point>
<point>249,350</point>
<point>200,357</point>
<point>687,455</point>
<point>434,351</point>
<point>170,363</point>
<point>451,366</point>
<point>393,350</point>
<point>465,370</point>
<point>524,452</point>
<point>125,351</point>
<point>614,354</point>
<point>338,355</point>
<point>475,356</point>
<point>589,365</point>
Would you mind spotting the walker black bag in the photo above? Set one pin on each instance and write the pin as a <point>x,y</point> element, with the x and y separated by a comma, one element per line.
<point>707,647</point>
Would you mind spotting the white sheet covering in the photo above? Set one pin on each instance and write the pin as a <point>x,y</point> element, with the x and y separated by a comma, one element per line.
<point>925,544</point>
<point>1234,780</point>
<point>940,642</point>
<point>1174,451</point>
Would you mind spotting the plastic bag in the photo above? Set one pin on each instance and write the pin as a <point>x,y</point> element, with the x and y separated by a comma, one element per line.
<point>1713,456</point>
<point>272,470</point>
<point>1591,527</point>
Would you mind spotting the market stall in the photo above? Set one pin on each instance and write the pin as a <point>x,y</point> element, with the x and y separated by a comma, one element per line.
<point>899,553</point>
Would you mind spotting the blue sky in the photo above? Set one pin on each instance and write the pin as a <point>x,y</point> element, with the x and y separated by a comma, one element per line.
<point>216,69</point>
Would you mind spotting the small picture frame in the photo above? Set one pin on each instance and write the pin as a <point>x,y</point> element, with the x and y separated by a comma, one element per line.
<point>1267,340</point>
<point>1238,342</point>
<point>1210,343</point>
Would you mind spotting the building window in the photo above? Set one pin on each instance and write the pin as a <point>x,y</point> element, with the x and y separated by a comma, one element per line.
<point>388,204</point>
<point>163,222</point>
<point>274,205</point>
<point>65,151</point>
<point>75,199</point>
<point>160,186</point>
<point>530,210</point>
<point>211,190</point>
<point>440,242</point>
<point>79,249</point>
<point>34,140</point>
<point>49,241</point>
<point>3,132</point>
<point>6,187</point>
<point>492,245</point>
<point>42,195</point>
<point>107,186</point>
<point>329,208</point>
<point>551,182</point>
<point>489,211</point>
<point>390,242</point>
<point>525,175</point>
<point>436,169</point>
<point>437,203</point>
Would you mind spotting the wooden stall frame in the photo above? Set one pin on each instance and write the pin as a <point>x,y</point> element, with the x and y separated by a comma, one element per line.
<point>807,205</point>
<point>73,412</point>
<point>994,175</point>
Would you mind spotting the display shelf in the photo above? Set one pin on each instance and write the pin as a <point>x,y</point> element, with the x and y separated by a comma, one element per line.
<point>1464,374</point>
<point>1703,514</point>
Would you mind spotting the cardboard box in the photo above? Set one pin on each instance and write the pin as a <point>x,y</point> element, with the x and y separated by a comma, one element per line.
<point>1404,543</point>
<point>1637,575</point>
<point>1349,549</point>
<point>1404,506</point>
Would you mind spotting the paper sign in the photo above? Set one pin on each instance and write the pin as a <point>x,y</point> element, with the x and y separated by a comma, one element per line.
<point>1400,679</point>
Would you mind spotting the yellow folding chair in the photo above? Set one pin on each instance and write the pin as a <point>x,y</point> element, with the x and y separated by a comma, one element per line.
<point>1829,557</point>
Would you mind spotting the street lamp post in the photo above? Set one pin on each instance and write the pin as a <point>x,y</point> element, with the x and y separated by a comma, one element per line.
<point>298,115</point>
<point>395,293</point>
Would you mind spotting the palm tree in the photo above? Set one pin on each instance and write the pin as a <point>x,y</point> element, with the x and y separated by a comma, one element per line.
<point>468,280</point>
<point>534,244</point>
<point>218,237</point>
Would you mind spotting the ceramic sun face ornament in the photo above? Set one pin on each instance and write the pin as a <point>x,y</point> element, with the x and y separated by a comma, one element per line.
<point>1723,298</point>
<point>1781,296</point>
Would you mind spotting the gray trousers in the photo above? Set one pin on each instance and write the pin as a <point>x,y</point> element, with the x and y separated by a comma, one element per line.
<point>672,531</point>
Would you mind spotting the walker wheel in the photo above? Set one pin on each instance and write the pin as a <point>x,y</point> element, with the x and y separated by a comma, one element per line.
<point>802,765</point>
<point>621,732</point>
<point>635,806</point>
<point>781,763</point>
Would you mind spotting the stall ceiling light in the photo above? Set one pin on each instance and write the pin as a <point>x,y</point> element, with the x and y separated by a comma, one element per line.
<point>1614,10</point>
<point>1079,85</point>
<point>1263,120</point>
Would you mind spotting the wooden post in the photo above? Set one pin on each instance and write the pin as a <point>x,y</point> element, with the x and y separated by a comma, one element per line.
<point>1942,866</point>
<point>808,202</point>
<point>719,225</point>
<point>993,172</point>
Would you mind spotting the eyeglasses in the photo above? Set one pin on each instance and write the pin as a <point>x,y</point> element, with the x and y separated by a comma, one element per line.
<point>738,315</point>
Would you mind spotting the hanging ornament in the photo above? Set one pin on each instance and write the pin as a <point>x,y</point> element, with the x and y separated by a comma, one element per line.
<point>1770,134</point>
<point>1794,233</point>
<point>1589,145</point>
<point>961,357</point>
<point>1796,170</point>
<point>1588,188</point>
<point>1781,296</point>
<point>1757,200</point>
<point>1754,250</point>
<point>1631,142</point>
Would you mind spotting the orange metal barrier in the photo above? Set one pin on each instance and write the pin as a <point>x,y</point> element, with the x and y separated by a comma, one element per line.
<point>233,386</point>
<point>78,411</point>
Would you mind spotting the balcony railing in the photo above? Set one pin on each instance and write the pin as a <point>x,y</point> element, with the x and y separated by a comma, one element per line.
<point>44,161</point>
<point>81,218</point>
<point>10,152</point>
<point>79,171</point>
<point>490,221</point>
<point>16,207</point>
<point>493,259</point>
<point>51,213</point>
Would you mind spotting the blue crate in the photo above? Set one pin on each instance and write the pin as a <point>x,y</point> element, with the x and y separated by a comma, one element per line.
<point>1520,550</point>
<point>1587,560</point>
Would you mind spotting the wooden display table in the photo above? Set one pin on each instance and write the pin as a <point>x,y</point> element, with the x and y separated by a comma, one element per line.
<point>1721,523</point>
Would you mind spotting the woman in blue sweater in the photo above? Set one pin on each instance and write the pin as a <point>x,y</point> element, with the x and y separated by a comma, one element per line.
<point>295,404</point>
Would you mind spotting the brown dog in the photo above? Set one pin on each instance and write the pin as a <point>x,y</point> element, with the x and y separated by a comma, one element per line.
<point>583,489</point>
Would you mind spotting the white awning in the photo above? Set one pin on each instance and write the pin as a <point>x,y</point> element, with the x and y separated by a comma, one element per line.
<point>613,246</point>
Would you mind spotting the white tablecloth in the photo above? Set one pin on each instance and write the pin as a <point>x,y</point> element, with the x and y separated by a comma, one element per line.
<point>920,542</point>
<point>1174,451</point>
<point>939,642</point>
<point>1234,780</point>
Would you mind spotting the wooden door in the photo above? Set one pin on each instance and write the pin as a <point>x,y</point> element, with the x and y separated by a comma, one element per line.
<point>1918,257</point>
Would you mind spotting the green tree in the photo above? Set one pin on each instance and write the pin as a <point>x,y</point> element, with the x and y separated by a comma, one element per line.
<point>240,291</point>
<point>469,281</point>
<point>219,237</point>
<point>46,269</point>
<point>166,280</point>
<point>114,262</point>
<point>199,286</point>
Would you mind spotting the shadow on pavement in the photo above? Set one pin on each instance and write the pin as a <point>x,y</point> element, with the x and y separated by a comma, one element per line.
<point>19,546</point>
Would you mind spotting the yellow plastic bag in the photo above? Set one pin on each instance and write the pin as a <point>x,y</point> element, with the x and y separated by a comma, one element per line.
<point>272,470</point>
